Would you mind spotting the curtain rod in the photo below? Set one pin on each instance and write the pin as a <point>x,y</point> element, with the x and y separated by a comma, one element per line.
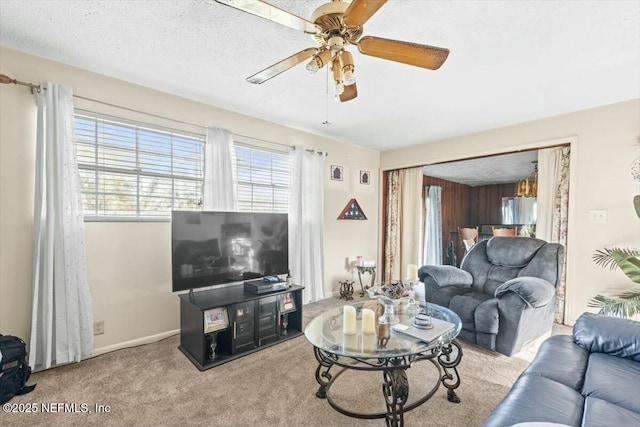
<point>4,79</point>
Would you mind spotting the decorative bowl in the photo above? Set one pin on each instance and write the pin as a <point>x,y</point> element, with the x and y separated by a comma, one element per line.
<point>399,304</point>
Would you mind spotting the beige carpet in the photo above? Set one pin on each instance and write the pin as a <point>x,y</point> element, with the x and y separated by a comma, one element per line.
<point>156,384</point>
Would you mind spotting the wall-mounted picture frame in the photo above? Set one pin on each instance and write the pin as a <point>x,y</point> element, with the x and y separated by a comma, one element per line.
<point>337,173</point>
<point>216,319</point>
<point>365,177</point>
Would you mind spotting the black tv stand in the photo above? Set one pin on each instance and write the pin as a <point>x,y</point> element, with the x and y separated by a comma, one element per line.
<point>254,322</point>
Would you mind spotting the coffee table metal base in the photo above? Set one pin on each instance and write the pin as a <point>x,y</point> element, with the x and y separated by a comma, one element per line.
<point>395,384</point>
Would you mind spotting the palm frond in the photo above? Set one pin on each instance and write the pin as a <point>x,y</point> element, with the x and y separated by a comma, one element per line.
<point>626,304</point>
<point>630,294</point>
<point>627,260</point>
<point>607,257</point>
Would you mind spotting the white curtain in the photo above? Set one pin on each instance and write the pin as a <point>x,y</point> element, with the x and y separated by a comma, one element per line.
<point>219,186</point>
<point>403,222</point>
<point>306,223</point>
<point>411,218</point>
<point>62,316</point>
<point>549,164</point>
<point>392,228</point>
<point>553,208</point>
<point>433,226</point>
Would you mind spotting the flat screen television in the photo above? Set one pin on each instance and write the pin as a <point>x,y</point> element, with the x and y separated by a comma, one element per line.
<point>215,248</point>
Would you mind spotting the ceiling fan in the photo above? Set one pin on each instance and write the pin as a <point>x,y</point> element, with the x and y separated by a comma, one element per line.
<point>334,26</point>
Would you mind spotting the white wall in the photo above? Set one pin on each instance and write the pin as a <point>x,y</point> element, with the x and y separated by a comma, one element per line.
<point>129,263</point>
<point>604,142</point>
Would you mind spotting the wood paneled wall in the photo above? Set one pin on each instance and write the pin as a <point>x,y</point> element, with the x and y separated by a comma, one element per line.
<point>465,206</point>
<point>455,209</point>
<point>485,203</point>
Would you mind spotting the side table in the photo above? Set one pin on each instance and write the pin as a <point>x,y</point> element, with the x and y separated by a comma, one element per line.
<point>362,270</point>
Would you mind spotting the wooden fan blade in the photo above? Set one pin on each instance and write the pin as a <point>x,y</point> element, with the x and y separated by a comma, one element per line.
<point>284,65</point>
<point>349,93</point>
<point>360,11</point>
<point>420,55</point>
<point>273,13</point>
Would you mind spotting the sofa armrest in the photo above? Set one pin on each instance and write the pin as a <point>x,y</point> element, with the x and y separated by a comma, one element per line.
<point>444,275</point>
<point>534,291</point>
<point>610,335</point>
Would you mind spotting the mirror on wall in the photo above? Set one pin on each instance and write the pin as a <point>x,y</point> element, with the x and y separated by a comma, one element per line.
<point>519,210</point>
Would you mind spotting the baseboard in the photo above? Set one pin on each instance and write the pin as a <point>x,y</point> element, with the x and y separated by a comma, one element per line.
<point>134,343</point>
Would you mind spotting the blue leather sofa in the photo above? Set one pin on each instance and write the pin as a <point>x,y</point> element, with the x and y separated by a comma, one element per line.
<point>588,379</point>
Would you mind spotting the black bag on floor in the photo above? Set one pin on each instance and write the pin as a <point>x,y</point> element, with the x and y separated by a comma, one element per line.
<point>14,368</point>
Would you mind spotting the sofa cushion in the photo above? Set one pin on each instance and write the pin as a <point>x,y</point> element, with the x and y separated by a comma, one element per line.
<point>496,276</point>
<point>502,251</point>
<point>534,291</point>
<point>547,264</point>
<point>559,359</point>
<point>487,318</point>
<point>614,379</point>
<point>444,275</point>
<point>600,413</point>
<point>465,306</point>
<point>535,398</point>
<point>442,295</point>
<point>611,335</point>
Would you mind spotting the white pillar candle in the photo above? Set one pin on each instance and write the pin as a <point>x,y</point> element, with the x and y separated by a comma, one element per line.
<point>349,320</point>
<point>350,343</point>
<point>369,343</point>
<point>412,272</point>
<point>368,321</point>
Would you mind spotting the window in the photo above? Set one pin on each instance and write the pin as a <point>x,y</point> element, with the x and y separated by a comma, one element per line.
<point>136,171</point>
<point>131,170</point>
<point>262,179</point>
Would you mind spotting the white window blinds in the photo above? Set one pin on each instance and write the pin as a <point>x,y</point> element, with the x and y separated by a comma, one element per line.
<point>262,178</point>
<point>132,170</point>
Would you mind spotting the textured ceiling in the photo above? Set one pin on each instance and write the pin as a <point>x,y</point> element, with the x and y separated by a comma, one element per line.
<point>502,169</point>
<point>510,62</point>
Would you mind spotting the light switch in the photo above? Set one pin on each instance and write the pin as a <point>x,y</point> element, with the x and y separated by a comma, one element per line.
<point>597,216</point>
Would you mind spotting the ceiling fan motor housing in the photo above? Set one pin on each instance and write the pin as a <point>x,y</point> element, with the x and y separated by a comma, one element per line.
<point>329,18</point>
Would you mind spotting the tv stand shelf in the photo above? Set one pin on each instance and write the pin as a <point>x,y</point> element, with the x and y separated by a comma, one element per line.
<point>254,322</point>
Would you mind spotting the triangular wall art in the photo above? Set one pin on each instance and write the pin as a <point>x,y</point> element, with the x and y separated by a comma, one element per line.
<point>352,211</point>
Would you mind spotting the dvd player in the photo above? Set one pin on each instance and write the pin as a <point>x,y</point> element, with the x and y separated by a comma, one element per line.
<point>260,286</point>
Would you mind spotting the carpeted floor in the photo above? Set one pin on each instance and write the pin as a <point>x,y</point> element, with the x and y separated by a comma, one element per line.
<point>156,384</point>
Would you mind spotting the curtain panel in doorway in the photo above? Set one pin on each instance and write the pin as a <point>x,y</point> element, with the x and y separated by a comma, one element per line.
<point>403,222</point>
<point>553,208</point>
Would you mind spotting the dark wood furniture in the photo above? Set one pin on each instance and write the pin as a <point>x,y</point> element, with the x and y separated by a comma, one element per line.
<point>505,231</point>
<point>254,322</point>
<point>468,237</point>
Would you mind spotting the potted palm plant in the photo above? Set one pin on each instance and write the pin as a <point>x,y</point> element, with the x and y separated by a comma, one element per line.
<point>626,304</point>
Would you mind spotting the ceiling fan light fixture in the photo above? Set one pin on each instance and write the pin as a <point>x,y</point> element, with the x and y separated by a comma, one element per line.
<point>347,68</point>
<point>338,78</point>
<point>349,78</point>
<point>318,61</point>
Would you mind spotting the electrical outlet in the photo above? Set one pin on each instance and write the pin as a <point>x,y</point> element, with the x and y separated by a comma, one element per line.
<point>597,216</point>
<point>98,327</point>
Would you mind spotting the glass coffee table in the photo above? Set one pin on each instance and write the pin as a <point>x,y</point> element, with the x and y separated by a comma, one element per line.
<point>391,355</point>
